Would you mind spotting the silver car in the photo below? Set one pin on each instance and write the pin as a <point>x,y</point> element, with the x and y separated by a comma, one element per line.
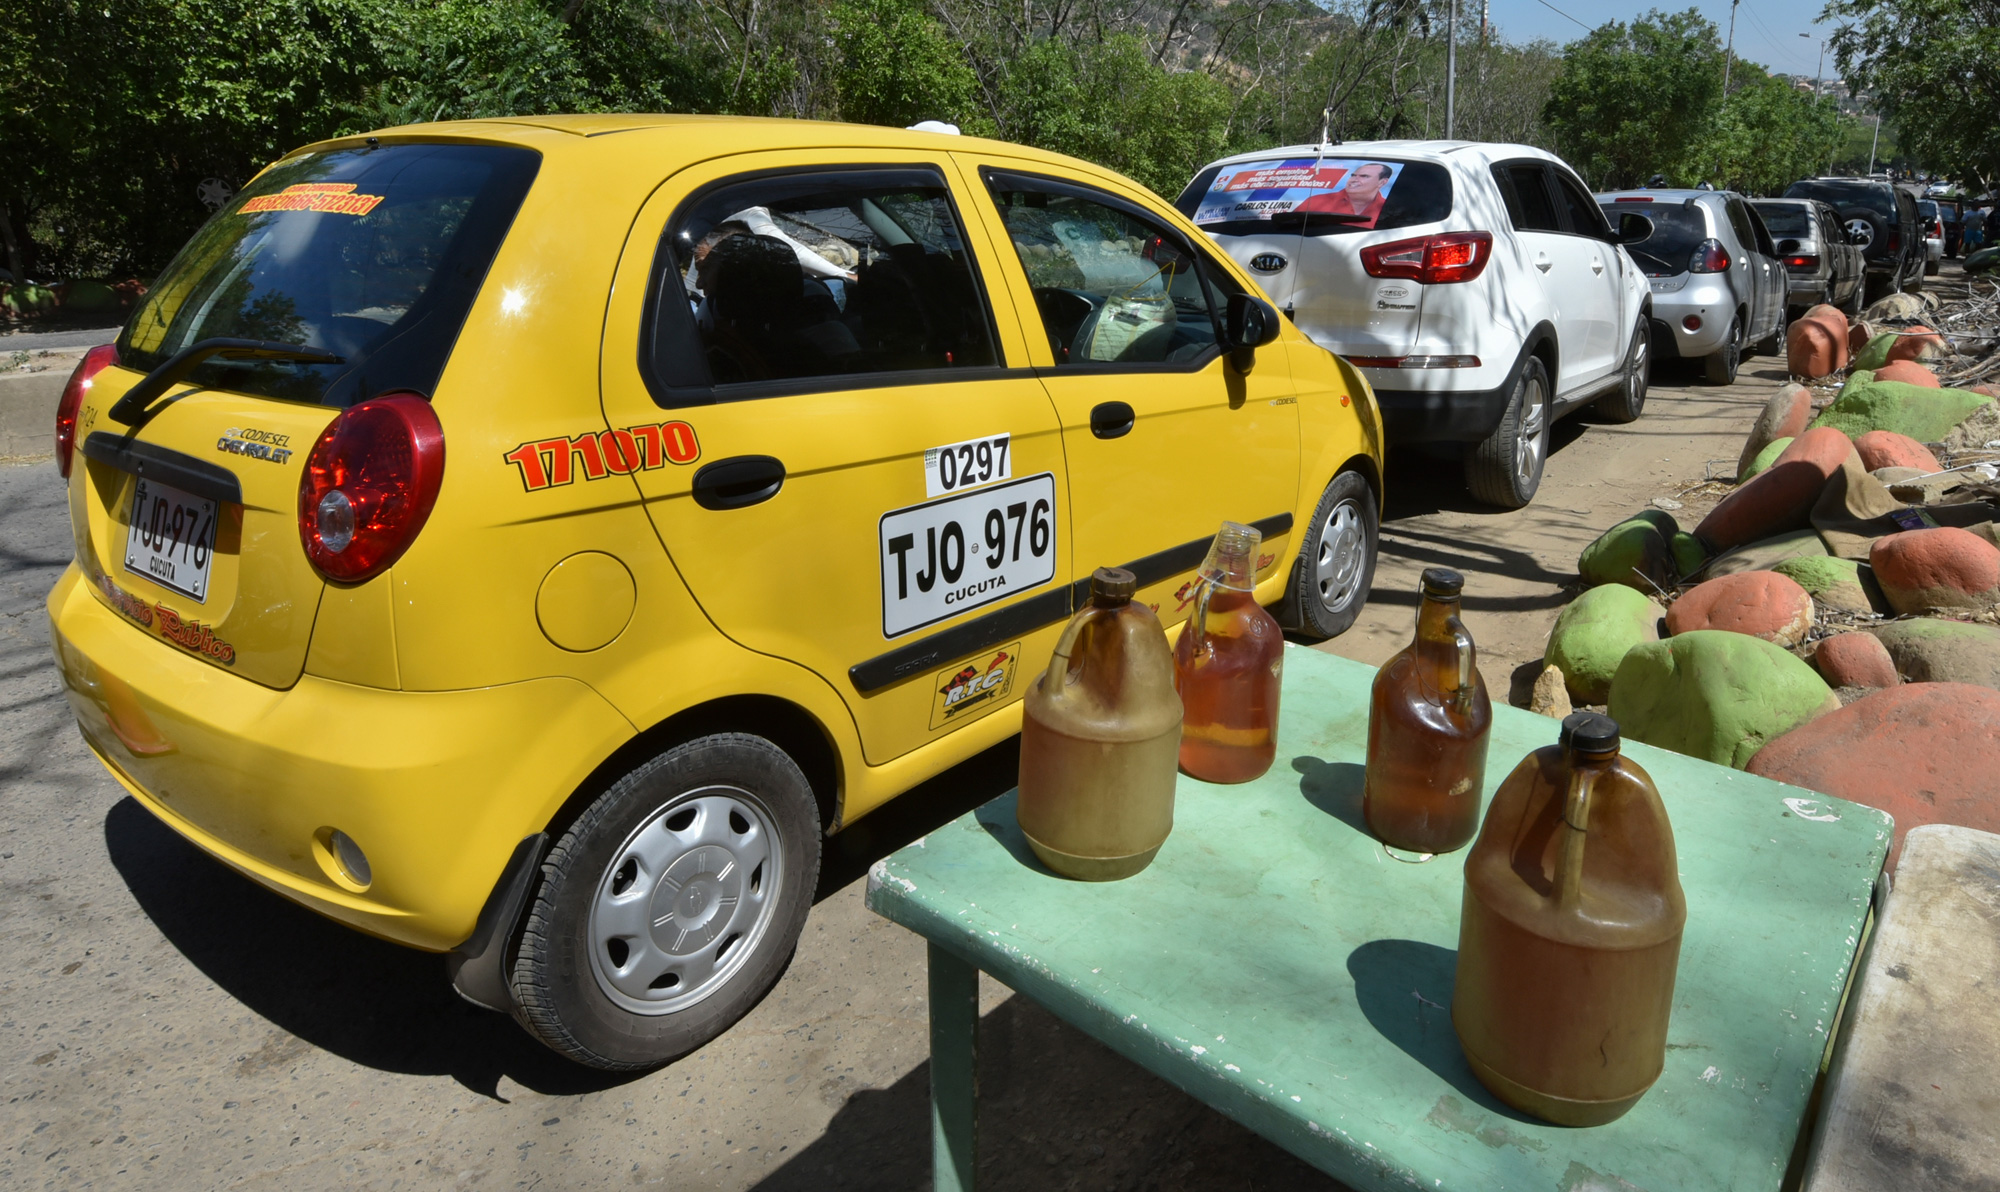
<point>1718,290</point>
<point>1819,254</point>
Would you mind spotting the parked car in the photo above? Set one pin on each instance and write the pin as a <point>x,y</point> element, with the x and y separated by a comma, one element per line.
<point>1882,218</point>
<point>1951,217</point>
<point>780,454</point>
<point>1719,292</point>
<point>1931,221</point>
<point>1476,286</point>
<point>1821,264</point>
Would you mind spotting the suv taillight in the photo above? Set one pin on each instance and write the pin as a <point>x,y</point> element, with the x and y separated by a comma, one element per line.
<point>368,486</point>
<point>1806,261</point>
<point>95,361</point>
<point>1896,241</point>
<point>1709,257</point>
<point>1431,260</point>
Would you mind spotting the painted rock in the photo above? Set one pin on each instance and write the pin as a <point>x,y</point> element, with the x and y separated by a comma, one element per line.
<point>1873,354</point>
<point>1813,349</point>
<point>1834,582</point>
<point>1781,497</point>
<point>1637,552</point>
<point>1716,696</point>
<point>1690,553</point>
<point>1930,650</point>
<point>1857,336</point>
<point>1944,567</point>
<point>1766,553</point>
<point>1762,604</point>
<point>1855,660</point>
<point>1765,458</point>
<point>1926,753</point>
<point>1917,343</point>
<point>1887,449</point>
<point>1592,635</point>
<point>1783,417</point>
<point>1909,372</point>
<point>1926,415</point>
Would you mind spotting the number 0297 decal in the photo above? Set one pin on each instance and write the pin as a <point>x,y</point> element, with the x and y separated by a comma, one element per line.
<point>957,466</point>
<point>942,558</point>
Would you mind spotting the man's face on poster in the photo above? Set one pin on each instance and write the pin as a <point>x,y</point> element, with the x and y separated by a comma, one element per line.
<point>1366,184</point>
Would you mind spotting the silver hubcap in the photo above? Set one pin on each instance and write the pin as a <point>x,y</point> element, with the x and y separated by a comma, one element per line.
<point>1635,381</point>
<point>1534,437</point>
<point>685,901</point>
<point>1862,231</point>
<point>1343,548</point>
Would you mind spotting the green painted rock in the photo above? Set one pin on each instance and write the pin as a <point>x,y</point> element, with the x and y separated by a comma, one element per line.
<point>1593,634</point>
<point>1766,553</point>
<point>1715,695</point>
<point>1926,415</point>
<point>1763,459</point>
<point>1690,553</point>
<point>1641,545</point>
<point>1873,354</point>
<point>1936,651</point>
<point>1831,581</point>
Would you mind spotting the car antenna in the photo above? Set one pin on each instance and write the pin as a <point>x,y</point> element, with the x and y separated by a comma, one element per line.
<point>1298,249</point>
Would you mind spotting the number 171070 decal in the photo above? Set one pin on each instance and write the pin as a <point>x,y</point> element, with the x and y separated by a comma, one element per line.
<point>942,558</point>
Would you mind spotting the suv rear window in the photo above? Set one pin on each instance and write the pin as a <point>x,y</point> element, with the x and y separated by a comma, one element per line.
<point>1317,194</point>
<point>1786,219</point>
<point>374,254</point>
<point>1677,229</point>
<point>1843,193</point>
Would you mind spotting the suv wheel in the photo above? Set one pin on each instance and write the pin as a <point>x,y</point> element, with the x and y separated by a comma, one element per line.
<point>1719,367</point>
<point>671,906</point>
<point>1628,401</point>
<point>1336,564</point>
<point>1506,469</point>
<point>1774,345</point>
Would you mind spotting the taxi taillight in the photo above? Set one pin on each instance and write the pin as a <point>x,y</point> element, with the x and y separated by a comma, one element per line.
<point>95,361</point>
<point>369,485</point>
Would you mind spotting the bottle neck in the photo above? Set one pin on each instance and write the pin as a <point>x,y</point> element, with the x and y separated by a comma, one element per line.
<point>1434,616</point>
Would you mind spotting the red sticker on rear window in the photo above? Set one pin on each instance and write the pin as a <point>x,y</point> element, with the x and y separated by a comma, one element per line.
<point>331,198</point>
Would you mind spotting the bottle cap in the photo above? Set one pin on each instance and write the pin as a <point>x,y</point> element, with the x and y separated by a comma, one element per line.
<point>1589,732</point>
<point>1231,561</point>
<point>1112,586</point>
<point>1443,583</point>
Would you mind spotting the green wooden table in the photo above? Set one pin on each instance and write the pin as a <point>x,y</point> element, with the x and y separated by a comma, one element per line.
<point>1277,964</point>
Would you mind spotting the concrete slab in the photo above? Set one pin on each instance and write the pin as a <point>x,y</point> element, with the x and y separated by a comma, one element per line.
<point>1913,1098</point>
<point>28,412</point>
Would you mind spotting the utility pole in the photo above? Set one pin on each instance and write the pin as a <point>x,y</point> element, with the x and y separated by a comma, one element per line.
<point>1872,142</point>
<point>1729,53</point>
<point>1485,10</point>
<point>1819,81</point>
<point>1451,71</point>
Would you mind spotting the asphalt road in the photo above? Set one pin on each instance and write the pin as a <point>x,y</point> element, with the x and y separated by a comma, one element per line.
<point>167,1024</point>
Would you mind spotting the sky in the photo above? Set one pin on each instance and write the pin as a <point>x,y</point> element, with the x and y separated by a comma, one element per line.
<point>1767,31</point>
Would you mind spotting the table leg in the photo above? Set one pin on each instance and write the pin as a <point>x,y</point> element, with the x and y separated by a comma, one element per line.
<point>954,1071</point>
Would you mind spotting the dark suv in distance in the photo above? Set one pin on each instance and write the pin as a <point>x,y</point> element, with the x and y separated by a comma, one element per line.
<point>1880,217</point>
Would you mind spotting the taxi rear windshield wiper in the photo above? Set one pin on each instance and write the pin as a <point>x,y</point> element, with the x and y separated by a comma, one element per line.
<point>136,408</point>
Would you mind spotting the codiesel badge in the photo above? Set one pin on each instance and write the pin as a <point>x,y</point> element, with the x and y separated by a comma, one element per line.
<point>1267,262</point>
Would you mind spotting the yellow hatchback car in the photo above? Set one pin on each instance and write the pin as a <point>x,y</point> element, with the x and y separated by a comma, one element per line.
<point>524,539</point>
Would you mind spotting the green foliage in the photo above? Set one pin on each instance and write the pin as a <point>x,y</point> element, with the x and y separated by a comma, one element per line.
<point>1632,99</point>
<point>1765,136</point>
<point>1933,67</point>
<point>898,65</point>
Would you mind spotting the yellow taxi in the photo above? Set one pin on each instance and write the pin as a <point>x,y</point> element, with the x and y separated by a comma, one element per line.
<point>525,539</point>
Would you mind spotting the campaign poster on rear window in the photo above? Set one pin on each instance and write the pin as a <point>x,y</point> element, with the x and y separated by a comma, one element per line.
<point>1351,190</point>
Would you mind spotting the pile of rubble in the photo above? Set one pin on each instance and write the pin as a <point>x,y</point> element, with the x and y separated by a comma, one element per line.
<point>1834,621</point>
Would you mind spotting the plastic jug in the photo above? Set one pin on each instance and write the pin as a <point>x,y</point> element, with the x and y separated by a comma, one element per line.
<point>1428,721</point>
<point>1101,738</point>
<point>1227,666</point>
<point>1570,932</point>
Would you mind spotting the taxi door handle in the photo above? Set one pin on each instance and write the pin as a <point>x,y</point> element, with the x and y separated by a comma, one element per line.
<point>1111,420</point>
<point>737,482</point>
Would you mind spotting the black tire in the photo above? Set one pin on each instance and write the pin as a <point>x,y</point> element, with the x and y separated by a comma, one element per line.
<point>1774,344</point>
<point>1336,563</point>
<point>1506,468</point>
<point>1719,367</point>
<point>678,813</point>
<point>1852,306</point>
<point>1628,401</point>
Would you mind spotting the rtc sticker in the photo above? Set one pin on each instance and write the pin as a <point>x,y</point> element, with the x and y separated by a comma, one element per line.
<point>979,686</point>
<point>327,198</point>
<point>552,463</point>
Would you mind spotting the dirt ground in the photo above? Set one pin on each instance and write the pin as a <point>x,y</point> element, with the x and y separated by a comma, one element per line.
<point>166,1024</point>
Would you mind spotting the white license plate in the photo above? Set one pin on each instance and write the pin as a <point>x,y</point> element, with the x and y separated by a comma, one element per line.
<point>172,541</point>
<point>969,464</point>
<point>942,558</point>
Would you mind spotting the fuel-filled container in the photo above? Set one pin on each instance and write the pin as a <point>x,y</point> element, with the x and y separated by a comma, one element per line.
<point>1228,666</point>
<point>1429,718</point>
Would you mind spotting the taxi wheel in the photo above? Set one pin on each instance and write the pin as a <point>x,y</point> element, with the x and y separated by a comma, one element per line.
<point>671,906</point>
<point>1336,563</point>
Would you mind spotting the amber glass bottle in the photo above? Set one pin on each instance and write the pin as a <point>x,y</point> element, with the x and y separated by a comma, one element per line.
<point>1428,719</point>
<point>1227,666</point>
<point>1100,735</point>
<point>1570,932</point>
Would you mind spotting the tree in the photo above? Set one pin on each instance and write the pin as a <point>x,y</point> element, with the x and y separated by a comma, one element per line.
<point>1631,99</point>
<point>898,65</point>
<point>1933,69</point>
<point>1766,135</point>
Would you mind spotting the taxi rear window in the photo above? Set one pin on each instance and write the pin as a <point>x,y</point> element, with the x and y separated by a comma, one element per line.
<point>1321,195</point>
<point>374,254</point>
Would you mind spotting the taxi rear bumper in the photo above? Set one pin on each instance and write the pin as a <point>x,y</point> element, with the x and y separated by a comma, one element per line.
<point>437,788</point>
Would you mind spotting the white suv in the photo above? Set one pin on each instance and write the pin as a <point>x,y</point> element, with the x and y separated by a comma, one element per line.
<point>1478,287</point>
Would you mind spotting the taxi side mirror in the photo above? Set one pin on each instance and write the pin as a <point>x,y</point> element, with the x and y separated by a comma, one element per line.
<point>1251,323</point>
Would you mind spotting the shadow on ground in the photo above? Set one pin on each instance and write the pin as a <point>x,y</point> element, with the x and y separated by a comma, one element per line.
<point>1057,1111</point>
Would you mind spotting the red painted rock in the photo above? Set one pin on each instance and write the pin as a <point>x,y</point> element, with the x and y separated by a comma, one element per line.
<point>1887,449</point>
<point>1784,416</point>
<point>1812,349</point>
<point>1945,567</point>
<point>1926,753</point>
<point>1780,497</point>
<point>1855,660</point>
<point>1917,343</point>
<point>1760,603</point>
<point>1988,389</point>
<point>1857,335</point>
<point>1909,372</point>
